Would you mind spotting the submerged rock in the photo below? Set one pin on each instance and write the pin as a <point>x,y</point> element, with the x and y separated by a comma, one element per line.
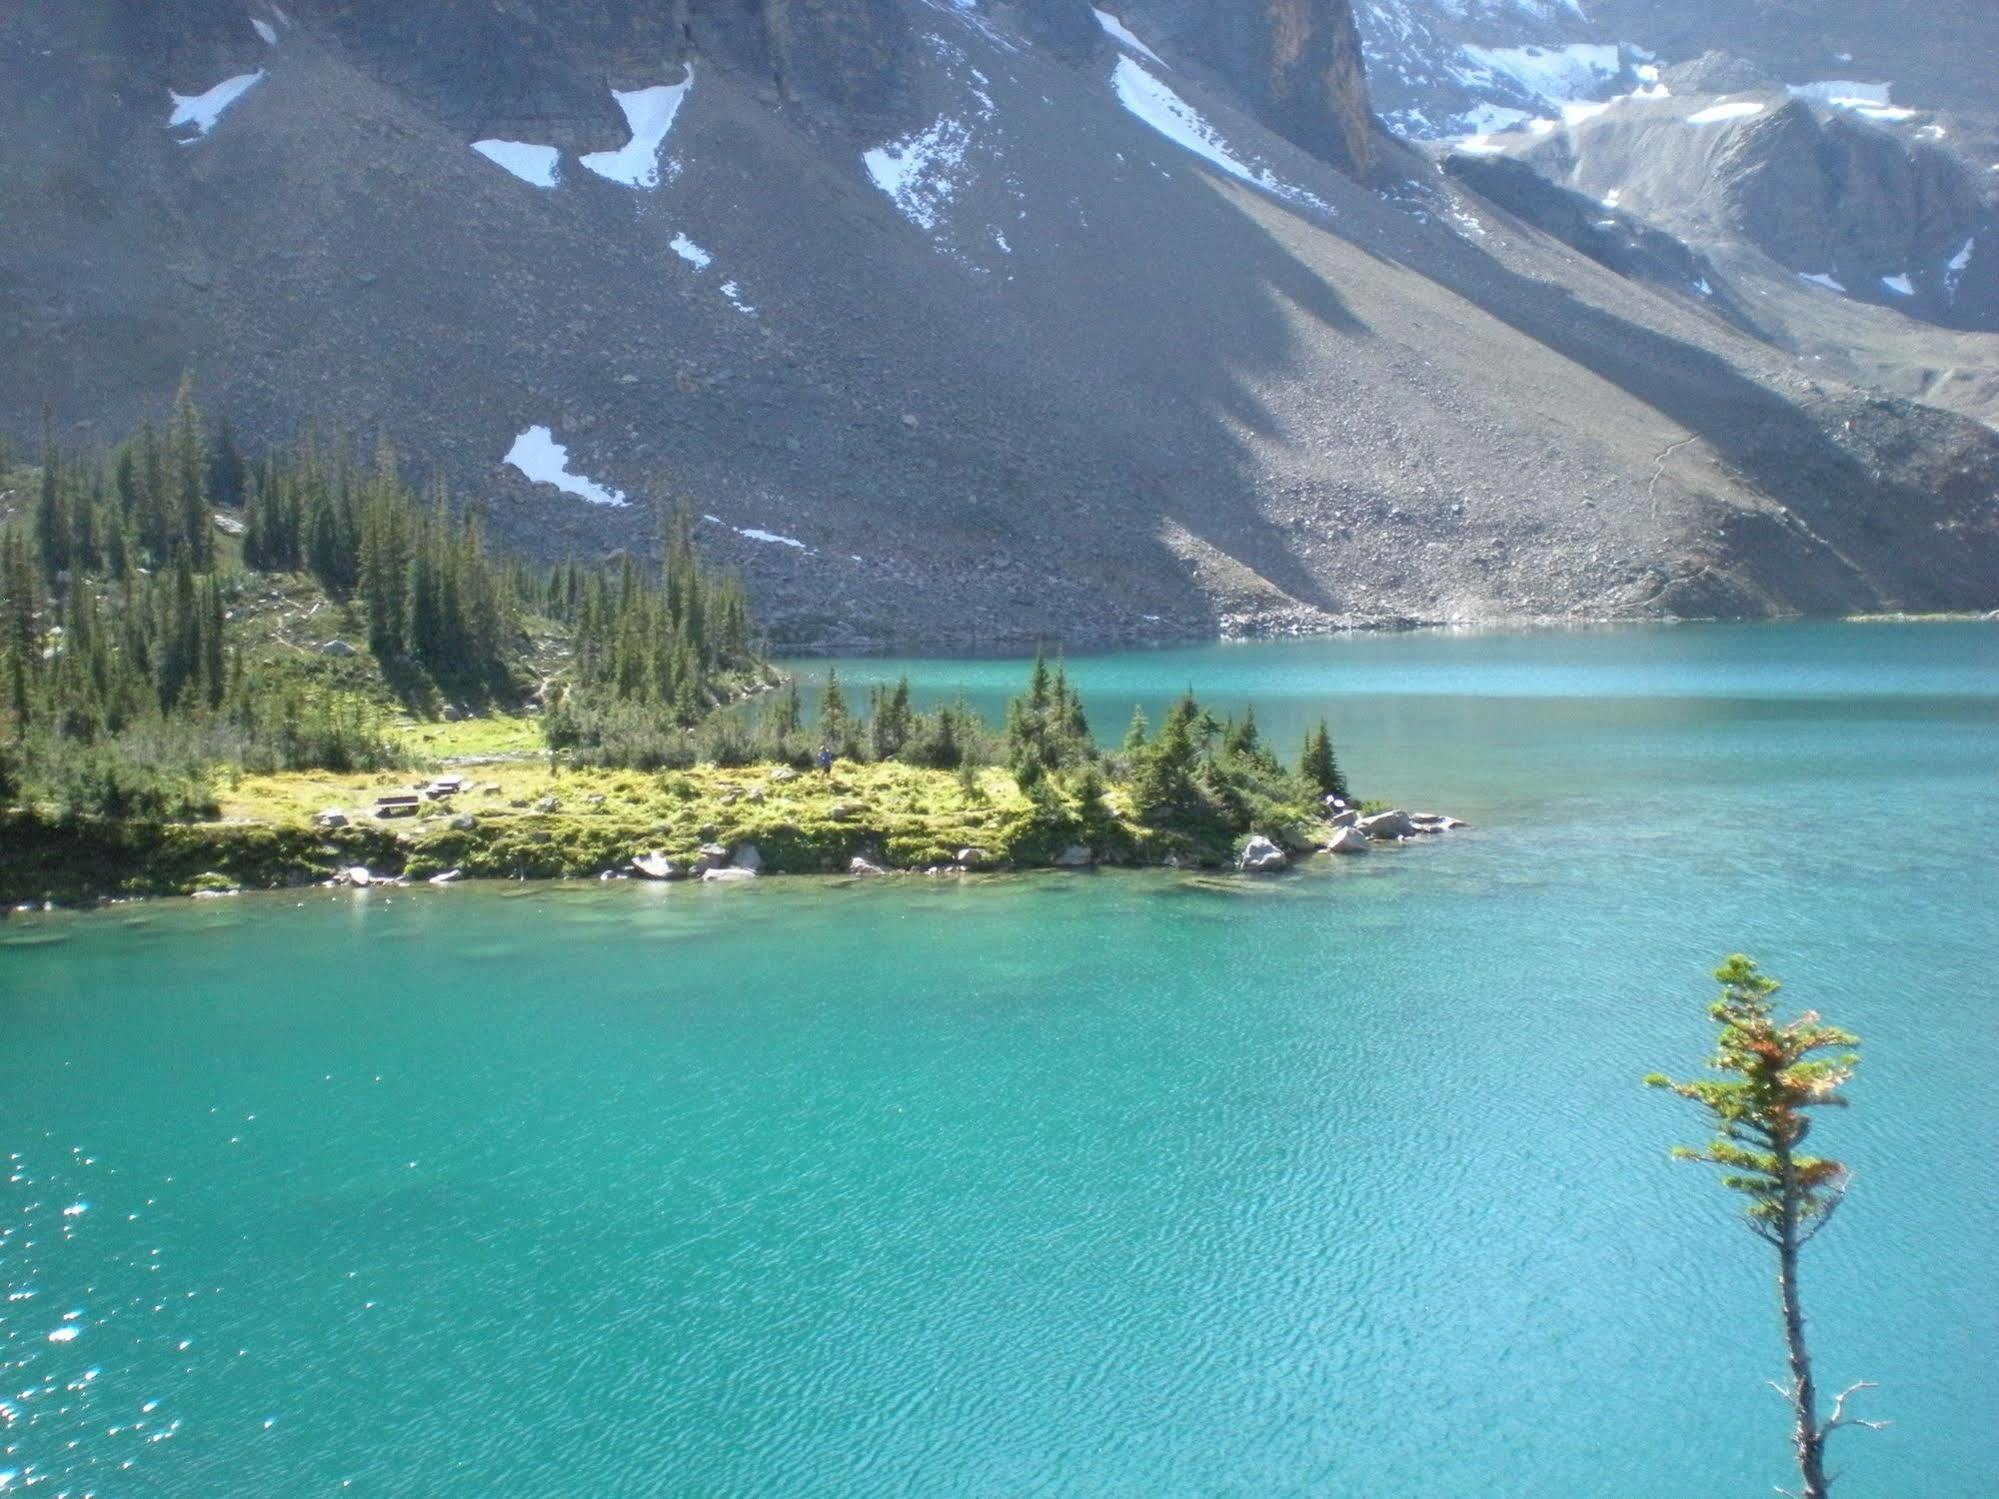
<point>1433,822</point>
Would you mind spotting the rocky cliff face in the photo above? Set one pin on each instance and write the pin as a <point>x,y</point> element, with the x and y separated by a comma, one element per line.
<point>1830,194</point>
<point>1296,64</point>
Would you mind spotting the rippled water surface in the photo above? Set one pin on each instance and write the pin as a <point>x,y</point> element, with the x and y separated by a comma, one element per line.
<point>1093,1184</point>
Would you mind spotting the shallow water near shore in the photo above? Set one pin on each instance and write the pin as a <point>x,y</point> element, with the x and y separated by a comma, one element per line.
<point>1141,1182</point>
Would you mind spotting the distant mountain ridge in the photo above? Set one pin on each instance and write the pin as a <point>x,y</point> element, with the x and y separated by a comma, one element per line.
<point>967,324</point>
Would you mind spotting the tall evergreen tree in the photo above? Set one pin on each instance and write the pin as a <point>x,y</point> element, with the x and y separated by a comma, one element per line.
<point>1136,731</point>
<point>189,444</point>
<point>834,721</point>
<point>1319,766</point>
<point>227,472</point>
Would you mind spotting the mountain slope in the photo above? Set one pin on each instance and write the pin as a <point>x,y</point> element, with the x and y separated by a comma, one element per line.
<point>961,325</point>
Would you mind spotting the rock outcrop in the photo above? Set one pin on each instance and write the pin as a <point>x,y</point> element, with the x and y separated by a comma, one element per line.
<point>1296,64</point>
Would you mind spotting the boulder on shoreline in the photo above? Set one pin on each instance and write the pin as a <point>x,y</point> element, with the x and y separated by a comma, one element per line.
<point>1260,856</point>
<point>859,865</point>
<point>1348,840</point>
<point>748,857</point>
<point>726,876</point>
<point>1075,856</point>
<point>656,866</point>
<point>1347,819</point>
<point>1391,824</point>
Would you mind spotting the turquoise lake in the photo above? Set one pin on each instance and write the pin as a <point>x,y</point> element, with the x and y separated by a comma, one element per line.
<point>1129,1183</point>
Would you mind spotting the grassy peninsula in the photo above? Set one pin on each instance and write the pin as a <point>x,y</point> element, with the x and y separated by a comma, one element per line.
<point>213,670</point>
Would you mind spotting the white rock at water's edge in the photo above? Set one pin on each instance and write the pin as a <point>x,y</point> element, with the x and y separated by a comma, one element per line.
<point>1391,824</point>
<point>1261,856</point>
<point>1348,840</point>
<point>1075,856</point>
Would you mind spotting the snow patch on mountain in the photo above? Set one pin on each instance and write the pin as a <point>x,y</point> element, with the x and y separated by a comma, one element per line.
<point>1899,285</point>
<point>534,165</point>
<point>1822,278</point>
<point>1490,119</point>
<point>649,114</point>
<point>537,454</point>
<point>753,533</point>
<point>1871,101</point>
<point>1121,34</point>
<point>1173,117</point>
<point>265,30</point>
<point>1553,75</point>
<point>1715,114</point>
<point>204,109</point>
<point>917,171</point>
<point>1955,267</point>
<point>1841,91</point>
<point>734,294</point>
<point>925,173</point>
<point>690,252</point>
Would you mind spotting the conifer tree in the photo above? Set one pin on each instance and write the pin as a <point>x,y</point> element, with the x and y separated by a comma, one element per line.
<point>1771,1074</point>
<point>1135,733</point>
<point>788,714</point>
<point>22,639</point>
<point>833,718</point>
<point>190,478</point>
<point>227,473</point>
<point>1319,766</point>
<point>1163,777</point>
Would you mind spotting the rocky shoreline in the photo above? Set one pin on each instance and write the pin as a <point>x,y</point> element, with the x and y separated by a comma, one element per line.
<point>49,864</point>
